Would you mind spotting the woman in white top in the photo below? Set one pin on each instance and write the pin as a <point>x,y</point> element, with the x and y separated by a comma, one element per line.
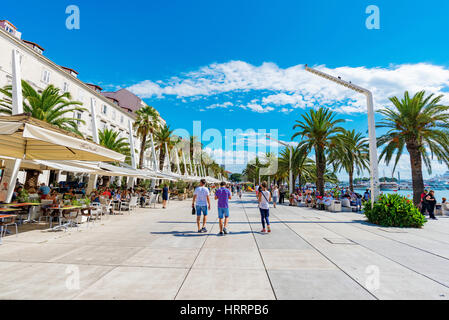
<point>264,199</point>
<point>275,195</point>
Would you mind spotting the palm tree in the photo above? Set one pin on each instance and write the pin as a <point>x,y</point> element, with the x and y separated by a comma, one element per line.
<point>420,124</point>
<point>300,163</point>
<point>111,140</point>
<point>164,136</point>
<point>318,129</point>
<point>147,122</point>
<point>351,153</point>
<point>253,167</point>
<point>51,106</point>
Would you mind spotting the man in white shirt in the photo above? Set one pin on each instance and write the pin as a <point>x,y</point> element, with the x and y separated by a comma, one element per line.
<point>201,196</point>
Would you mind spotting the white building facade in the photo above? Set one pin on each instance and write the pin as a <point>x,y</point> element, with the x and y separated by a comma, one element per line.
<point>40,72</point>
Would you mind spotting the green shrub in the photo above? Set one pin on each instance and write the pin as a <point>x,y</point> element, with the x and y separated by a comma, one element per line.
<point>393,210</point>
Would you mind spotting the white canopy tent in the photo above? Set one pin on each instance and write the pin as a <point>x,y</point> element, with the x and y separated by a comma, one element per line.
<point>26,138</point>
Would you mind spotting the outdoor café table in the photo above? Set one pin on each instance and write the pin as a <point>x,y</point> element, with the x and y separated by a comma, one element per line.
<point>2,217</point>
<point>63,211</point>
<point>26,205</point>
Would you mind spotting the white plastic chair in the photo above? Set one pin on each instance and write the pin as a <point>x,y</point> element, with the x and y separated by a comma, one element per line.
<point>133,203</point>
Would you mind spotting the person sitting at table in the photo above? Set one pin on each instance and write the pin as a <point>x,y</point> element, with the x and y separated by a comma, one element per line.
<point>21,195</point>
<point>107,193</point>
<point>69,195</point>
<point>53,196</point>
<point>95,197</point>
<point>15,194</point>
<point>44,191</point>
<point>126,196</point>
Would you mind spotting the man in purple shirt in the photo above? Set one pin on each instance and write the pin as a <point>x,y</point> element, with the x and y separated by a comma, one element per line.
<point>223,195</point>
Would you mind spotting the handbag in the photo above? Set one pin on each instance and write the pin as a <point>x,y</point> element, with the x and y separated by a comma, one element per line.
<point>193,211</point>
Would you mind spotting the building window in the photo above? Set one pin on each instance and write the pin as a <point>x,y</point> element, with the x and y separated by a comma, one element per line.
<point>78,117</point>
<point>65,87</point>
<point>113,115</point>
<point>121,119</point>
<point>105,109</point>
<point>46,76</point>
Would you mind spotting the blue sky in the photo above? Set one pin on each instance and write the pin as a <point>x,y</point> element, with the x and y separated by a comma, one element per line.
<point>237,64</point>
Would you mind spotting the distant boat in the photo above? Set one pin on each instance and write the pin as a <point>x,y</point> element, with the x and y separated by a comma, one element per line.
<point>389,186</point>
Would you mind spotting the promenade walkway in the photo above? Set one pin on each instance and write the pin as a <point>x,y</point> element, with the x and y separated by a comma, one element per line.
<point>157,254</point>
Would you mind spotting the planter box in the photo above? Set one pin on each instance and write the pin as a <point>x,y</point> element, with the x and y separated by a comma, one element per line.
<point>335,206</point>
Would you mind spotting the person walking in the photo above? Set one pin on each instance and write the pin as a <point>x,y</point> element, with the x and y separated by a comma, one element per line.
<point>264,207</point>
<point>430,204</point>
<point>223,195</point>
<point>275,195</point>
<point>165,192</point>
<point>201,197</point>
<point>281,194</point>
<point>239,191</point>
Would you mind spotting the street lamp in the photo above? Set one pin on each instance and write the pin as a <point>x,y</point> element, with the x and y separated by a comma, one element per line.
<point>374,171</point>
<point>290,186</point>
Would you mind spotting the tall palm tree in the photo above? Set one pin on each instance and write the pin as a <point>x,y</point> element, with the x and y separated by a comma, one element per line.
<point>317,130</point>
<point>52,106</point>
<point>300,163</point>
<point>350,153</point>
<point>420,124</point>
<point>147,122</point>
<point>164,136</point>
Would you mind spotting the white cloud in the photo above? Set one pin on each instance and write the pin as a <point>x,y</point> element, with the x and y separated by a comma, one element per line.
<point>224,105</point>
<point>257,108</point>
<point>296,87</point>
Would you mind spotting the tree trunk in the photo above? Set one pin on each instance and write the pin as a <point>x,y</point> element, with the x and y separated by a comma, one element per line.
<point>31,180</point>
<point>106,180</point>
<point>143,142</point>
<point>417,177</point>
<point>162,158</point>
<point>320,169</point>
<point>351,180</point>
<point>142,151</point>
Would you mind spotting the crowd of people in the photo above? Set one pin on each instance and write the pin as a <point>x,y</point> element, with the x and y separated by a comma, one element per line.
<point>312,197</point>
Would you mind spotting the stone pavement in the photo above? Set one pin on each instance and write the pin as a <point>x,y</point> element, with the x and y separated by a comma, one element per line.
<point>157,254</point>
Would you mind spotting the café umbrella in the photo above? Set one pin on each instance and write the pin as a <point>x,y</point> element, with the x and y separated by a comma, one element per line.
<point>26,138</point>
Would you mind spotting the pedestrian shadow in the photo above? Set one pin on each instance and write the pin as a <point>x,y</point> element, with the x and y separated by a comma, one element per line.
<point>186,234</point>
<point>181,233</point>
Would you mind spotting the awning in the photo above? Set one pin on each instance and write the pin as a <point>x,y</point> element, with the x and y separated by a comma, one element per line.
<point>23,137</point>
